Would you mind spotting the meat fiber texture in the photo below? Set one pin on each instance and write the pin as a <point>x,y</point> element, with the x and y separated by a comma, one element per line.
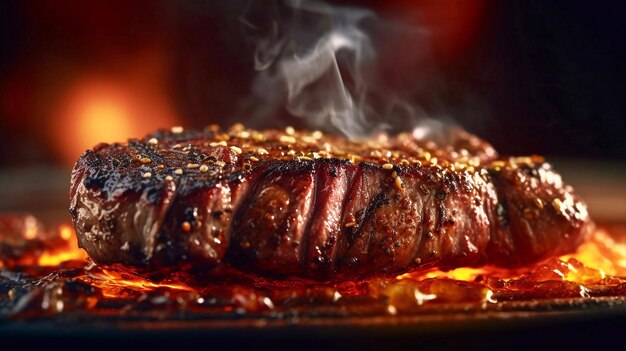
<point>304,204</point>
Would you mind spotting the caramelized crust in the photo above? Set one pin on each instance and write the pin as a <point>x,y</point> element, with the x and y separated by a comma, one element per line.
<point>299,203</point>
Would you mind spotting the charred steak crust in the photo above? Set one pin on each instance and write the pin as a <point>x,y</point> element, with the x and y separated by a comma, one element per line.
<point>306,204</point>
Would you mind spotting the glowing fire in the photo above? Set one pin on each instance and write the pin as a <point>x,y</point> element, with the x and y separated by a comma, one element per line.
<point>597,269</point>
<point>68,252</point>
<point>601,255</point>
<point>114,283</point>
<point>598,257</point>
<point>602,252</point>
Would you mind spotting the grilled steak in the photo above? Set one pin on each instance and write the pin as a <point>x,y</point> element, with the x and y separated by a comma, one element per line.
<point>295,203</point>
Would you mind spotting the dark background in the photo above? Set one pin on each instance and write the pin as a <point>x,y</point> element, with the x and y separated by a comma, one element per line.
<point>541,77</point>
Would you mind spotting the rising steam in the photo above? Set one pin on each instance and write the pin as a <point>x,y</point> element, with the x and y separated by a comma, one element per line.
<point>319,62</point>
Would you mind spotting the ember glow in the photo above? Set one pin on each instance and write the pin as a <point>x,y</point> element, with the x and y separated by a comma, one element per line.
<point>601,256</point>
<point>115,283</point>
<point>70,251</point>
<point>57,277</point>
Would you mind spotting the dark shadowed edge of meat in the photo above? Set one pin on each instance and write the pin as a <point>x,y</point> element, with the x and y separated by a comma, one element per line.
<point>272,202</point>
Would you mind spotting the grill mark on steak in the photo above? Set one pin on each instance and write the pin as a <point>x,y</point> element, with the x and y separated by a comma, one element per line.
<point>332,181</point>
<point>428,246</point>
<point>342,224</point>
<point>392,229</point>
<point>423,231</point>
<point>304,244</point>
<point>368,188</point>
<point>236,252</point>
<point>358,244</point>
<point>318,206</point>
<point>271,230</point>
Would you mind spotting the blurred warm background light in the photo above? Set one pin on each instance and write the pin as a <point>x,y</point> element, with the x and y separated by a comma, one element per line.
<point>530,76</point>
<point>96,110</point>
<point>452,25</point>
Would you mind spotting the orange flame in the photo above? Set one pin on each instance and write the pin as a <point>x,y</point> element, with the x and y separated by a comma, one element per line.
<point>601,255</point>
<point>115,283</point>
<point>112,282</point>
<point>599,261</point>
<point>68,252</point>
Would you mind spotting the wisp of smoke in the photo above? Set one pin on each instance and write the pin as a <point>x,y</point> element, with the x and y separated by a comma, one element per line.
<point>319,62</point>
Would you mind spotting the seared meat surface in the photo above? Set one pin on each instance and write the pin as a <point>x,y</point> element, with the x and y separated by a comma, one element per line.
<point>296,203</point>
